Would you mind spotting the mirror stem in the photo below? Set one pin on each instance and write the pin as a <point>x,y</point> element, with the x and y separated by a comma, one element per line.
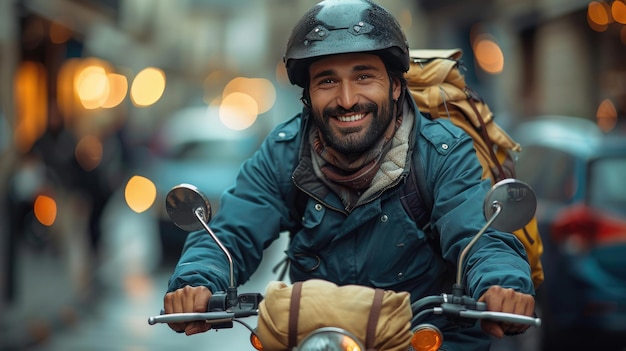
<point>496,206</point>
<point>199,215</point>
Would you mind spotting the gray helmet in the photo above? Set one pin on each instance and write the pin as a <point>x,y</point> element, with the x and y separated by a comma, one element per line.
<point>344,26</point>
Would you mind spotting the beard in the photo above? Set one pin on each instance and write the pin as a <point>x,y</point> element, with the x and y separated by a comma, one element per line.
<point>356,140</point>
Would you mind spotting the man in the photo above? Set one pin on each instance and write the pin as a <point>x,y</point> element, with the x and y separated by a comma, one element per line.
<point>349,152</point>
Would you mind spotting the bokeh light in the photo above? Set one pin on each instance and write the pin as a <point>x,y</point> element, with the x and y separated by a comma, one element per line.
<point>92,86</point>
<point>618,11</point>
<point>488,54</point>
<point>147,87</point>
<point>30,102</point>
<point>238,111</point>
<point>598,16</point>
<point>45,209</point>
<point>599,12</point>
<point>260,89</point>
<point>606,115</point>
<point>140,193</point>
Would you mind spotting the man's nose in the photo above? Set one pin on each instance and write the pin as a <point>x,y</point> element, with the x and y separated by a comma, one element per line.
<point>348,96</point>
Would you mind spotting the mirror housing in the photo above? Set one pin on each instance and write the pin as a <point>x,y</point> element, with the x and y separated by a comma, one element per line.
<point>183,202</point>
<point>517,201</point>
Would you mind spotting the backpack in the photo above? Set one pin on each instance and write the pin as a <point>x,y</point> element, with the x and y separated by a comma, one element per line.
<point>438,87</point>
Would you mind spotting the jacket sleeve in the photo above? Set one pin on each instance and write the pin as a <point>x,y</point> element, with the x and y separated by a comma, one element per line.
<point>454,172</point>
<point>252,214</point>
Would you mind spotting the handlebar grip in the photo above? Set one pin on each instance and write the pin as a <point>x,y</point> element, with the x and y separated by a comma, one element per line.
<point>502,317</point>
<point>209,317</point>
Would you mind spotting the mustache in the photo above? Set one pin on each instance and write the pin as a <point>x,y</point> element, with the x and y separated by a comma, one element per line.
<point>359,108</point>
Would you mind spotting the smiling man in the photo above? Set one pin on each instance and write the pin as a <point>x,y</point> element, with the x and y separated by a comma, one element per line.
<point>347,156</point>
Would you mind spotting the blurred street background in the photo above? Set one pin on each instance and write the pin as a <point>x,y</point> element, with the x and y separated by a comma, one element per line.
<point>107,104</point>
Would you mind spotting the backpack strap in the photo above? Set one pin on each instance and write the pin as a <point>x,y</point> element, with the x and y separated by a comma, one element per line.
<point>421,208</point>
<point>372,322</point>
<point>294,313</point>
<point>471,96</point>
<point>417,199</point>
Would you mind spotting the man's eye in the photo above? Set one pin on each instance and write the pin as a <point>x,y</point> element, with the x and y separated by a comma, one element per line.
<point>326,81</point>
<point>363,76</point>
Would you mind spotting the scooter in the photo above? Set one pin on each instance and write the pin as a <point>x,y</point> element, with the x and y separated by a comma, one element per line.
<point>508,205</point>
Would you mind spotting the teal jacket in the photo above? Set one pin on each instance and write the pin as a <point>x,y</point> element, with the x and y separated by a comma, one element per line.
<point>377,244</point>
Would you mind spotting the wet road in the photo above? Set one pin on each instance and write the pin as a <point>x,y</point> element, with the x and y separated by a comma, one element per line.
<point>119,322</point>
<point>52,315</point>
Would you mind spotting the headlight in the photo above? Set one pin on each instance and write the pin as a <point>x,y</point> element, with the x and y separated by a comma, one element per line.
<point>426,337</point>
<point>330,339</point>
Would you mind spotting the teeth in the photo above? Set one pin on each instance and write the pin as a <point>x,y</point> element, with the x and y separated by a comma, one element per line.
<point>350,118</point>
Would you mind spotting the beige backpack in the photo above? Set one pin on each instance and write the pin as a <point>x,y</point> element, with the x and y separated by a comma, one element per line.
<point>439,89</point>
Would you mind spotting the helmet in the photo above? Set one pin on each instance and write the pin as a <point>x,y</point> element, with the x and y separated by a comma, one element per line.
<point>344,26</point>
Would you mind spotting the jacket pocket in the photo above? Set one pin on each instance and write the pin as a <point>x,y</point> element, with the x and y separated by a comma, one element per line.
<point>309,243</point>
<point>402,257</point>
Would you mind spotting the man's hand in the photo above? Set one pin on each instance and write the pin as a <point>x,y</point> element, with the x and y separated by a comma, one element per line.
<point>188,299</point>
<point>499,299</point>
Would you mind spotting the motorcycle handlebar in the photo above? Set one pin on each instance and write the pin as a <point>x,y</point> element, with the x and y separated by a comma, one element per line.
<point>465,308</point>
<point>496,316</point>
<point>221,310</point>
<point>463,300</point>
<point>210,317</point>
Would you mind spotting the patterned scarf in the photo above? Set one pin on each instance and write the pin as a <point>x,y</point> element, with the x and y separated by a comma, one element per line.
<point>346,176</point>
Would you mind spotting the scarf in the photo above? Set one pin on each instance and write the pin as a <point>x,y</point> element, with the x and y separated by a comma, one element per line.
<point>349,177</point>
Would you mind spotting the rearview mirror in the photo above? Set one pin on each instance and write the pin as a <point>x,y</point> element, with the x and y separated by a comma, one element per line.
<point>517,202</point>
<point>183,203</point>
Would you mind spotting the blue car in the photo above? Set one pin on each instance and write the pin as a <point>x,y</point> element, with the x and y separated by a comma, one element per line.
<point>579,175</point>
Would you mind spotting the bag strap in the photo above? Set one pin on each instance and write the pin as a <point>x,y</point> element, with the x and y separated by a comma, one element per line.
<point>294,312</point>
<point>485,136</point>
<point>416,198</point>
<point>372,322</point>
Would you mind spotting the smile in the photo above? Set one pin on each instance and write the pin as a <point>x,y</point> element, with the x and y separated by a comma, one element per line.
<point>352,118</point>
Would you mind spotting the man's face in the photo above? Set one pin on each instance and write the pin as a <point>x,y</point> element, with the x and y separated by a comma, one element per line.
<point>351,100</point>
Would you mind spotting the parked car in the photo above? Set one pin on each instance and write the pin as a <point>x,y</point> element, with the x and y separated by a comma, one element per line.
<point>578,173</point>
<point>194,147</point>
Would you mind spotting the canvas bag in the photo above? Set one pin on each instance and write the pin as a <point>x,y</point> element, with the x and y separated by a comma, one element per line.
<point>380,319</point>
<point>440,91</point>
